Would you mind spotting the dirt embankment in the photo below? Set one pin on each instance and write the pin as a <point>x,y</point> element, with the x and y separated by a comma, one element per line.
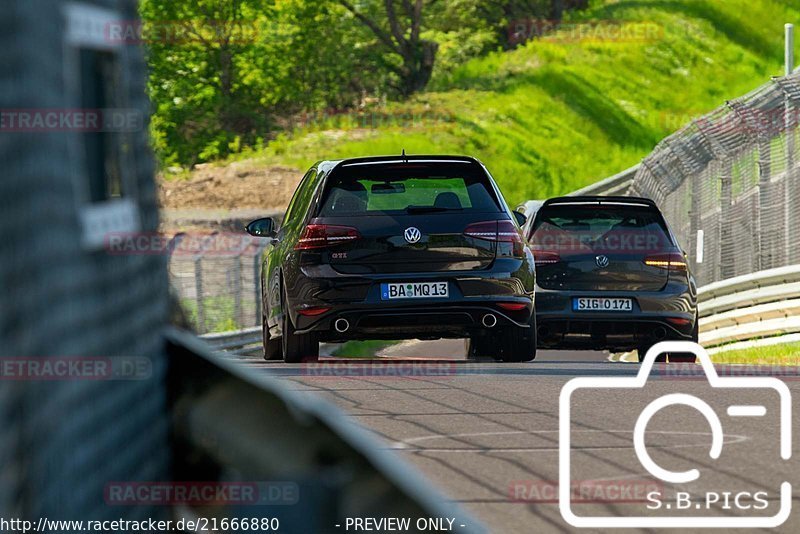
<point>238,186</point>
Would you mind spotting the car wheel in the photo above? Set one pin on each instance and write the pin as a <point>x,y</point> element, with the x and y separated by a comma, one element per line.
<point>516,344</point>
<point>688,357</point>
<point>297,348</point>
<point>480,348</point>
<point>272,347</point>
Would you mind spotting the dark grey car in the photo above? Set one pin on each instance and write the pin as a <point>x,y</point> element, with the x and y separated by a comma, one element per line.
<point>610,275</point>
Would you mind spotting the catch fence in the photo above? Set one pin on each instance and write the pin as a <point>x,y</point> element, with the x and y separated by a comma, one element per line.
<point>216,278</point>
<point>728,183</point>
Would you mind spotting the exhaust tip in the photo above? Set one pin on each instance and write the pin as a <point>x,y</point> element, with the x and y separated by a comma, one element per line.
<point>660,333</point>
<point>341,325</point>
<point>489,320</point>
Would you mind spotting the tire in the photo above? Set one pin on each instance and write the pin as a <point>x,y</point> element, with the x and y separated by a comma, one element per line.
<point>297,348</point>
<point>515,344</point>
<point>271,347</point>
<point>480,348</point>
<point>688,357</point>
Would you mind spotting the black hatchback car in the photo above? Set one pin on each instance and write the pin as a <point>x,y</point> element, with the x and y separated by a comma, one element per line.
<point>610,275</point>
<point>397,247</point>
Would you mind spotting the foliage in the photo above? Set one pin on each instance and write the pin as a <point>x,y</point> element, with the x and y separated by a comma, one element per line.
<point>569,107</point>
<point>226,74</point>
<point>561,112</point>
<point>778,354</point>
<point>237,67</point>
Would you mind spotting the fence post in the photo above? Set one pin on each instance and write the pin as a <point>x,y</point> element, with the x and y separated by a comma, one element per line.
<point>727,247</point>
<point>764,234</point>
<point>790,125</point>
<point>237,290</point>
<point>694,223</point>
<point>198,289</point>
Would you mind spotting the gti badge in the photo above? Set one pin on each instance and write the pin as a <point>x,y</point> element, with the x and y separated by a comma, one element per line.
<point>412,234</point>
<point>601,261</point>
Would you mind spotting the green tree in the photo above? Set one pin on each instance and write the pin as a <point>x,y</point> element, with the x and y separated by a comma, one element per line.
<point>398,26</point>
<point>201,54</point>
<point>225,74</point>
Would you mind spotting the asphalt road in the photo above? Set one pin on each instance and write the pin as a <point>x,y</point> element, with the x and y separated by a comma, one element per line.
<point>486,433</point>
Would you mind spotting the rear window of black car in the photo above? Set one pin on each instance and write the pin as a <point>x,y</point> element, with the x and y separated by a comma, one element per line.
<point>581,229</point>
<point>403,188</point>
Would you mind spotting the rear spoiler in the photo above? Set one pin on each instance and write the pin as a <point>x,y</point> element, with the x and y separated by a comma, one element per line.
<point>631,201</point>
<point>424,158</point>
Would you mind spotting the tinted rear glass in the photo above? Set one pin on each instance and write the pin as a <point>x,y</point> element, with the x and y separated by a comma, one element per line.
<point>407,188</point>
<point>604,228</point>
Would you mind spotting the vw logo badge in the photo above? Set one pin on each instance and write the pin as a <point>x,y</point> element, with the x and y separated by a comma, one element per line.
<point>412,234</point>
<point>601,260</point>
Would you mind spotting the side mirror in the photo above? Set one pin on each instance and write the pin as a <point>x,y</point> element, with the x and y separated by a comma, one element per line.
<point>521,218</point>
<point>261,227</point>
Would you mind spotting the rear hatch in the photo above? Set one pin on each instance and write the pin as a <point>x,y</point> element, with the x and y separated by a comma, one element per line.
<point>603,246</point>
<point>408,218</point>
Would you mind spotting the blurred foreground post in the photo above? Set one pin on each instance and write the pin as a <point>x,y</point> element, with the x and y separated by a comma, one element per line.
<point>101,401</point>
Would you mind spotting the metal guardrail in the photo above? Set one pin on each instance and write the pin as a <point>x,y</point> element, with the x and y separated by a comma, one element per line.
<point>758,305</point>
<point>233,341</point>
<point>614,185</point>
<point>245,342</point>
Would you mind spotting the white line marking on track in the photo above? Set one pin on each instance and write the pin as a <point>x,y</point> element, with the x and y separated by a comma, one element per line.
<point>407,444</point>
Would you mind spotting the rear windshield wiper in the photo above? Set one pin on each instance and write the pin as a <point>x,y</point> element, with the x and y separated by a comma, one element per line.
<point>429,209</point>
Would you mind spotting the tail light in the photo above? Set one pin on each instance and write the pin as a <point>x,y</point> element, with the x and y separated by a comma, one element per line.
<point>545,257</point>
<point>313,311</point>
<point>499,231</point>
<point>671,261</point>
<point>680,321</point>
<point>325,235</point>
<point>482,230</point>
<point>512,306</point>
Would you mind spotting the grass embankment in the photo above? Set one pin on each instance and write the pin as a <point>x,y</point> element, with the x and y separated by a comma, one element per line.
<point>781,354</point>
<point>564,111</point>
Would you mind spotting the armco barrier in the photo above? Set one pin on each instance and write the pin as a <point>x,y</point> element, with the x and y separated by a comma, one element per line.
<point>758,305</point>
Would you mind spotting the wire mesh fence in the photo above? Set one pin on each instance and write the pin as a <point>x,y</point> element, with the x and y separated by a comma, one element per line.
<point>217,279</point>
<point>728,183</point>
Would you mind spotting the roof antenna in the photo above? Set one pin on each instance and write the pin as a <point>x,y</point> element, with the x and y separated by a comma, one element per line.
<point>405,158</point>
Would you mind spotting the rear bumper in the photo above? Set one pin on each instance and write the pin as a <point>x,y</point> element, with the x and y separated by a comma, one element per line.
<point>418,321</point>
<point>669,314</point>
<point>357,300</point>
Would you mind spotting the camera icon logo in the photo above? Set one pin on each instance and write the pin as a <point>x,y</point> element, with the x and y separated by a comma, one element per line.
<point>733,385</point>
